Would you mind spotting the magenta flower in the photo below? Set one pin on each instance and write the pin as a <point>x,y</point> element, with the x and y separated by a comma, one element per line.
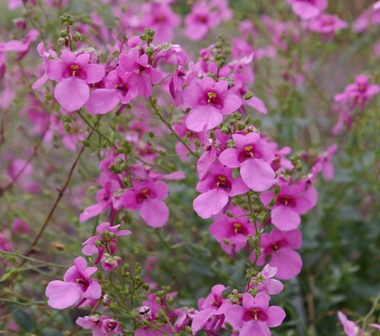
<point>110,263</point>
<point>209,101</point>
<point>350,328</point>
<point>307,9</point>
<point>290,203</point>
<point>214,305</point>
<point>100,326</point>
<point>327,25</point>
<point>73,74</point>
<point>136,71</point>
<point>160,18</point>
<point>358,93</point>
<point>147,197</point>
<point>200,21</point>
<point>76,288</point>
<point>255,317</point>
<point>253,156</point>
<point>234,230</point>
<point>217,188</point>
<point>105,240</point>
<point>116,90</point>
<point>279,245</point>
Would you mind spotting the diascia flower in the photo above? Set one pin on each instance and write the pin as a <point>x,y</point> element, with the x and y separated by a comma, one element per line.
<point>76,288</point>
<point>73,74</point>
<point>217,188</point>
<point>253,156</point>
<point>209,101</point>
<point>255,317</point>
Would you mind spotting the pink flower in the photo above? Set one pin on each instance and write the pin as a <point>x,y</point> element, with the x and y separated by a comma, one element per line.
<point>327,25</point>
<point>105,240</point>
<point>214,305</point>
<point>100,326</point>
<point>253,156</point>
<point>279,245</point>
<point>136,71</point>
<point>254,317</point>
<point>217,188</point>
<point>105,99</point>
<point>147,197</point>
<point>209,101</point>
<point>290,203</point>
<point>76,288</point>
<point>358,93</point>
<point>160,18</point>
<point>350,328</point>
<point>110,263</point>
<point>234,230</point>
<point>369,17</point>
<point>73,74</point>
<point>19,226</point>
<point>200,21</point>
<point>307,9</point>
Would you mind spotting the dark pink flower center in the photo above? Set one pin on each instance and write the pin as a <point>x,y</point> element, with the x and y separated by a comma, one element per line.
<point>159,18</point>
<point>143,195</point>
<point>82,282</point>
<point>362,87</point>
<point>223,182</point>
<point>216,303</point>
<point>213,99</point>
<point>248,152</point>
<point>286,200</point>
<point>201,18</point>
<point>111,325</point>
<point>275,247</point>
<point>121,87</point>
<point>74,70</point>
<point>239,228</point>
<point>255,314</point>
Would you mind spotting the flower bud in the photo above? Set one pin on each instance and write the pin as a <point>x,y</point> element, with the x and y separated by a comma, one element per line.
<point>248,96</point>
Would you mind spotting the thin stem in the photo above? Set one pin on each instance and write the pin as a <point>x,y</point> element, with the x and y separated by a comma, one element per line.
<point>171,128</point>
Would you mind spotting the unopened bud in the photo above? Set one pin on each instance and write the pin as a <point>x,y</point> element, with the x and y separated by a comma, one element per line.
<point>67,127</point>
<point>248,96</point>
<point>277,189</point>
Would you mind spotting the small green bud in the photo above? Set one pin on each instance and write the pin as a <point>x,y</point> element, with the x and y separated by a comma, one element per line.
<point>62,41</point>
<point>277,189</point>
<point>133,313</point>
<point>86,143</point>
<point>66,118</point>
<point>240,126</point>
<point>162,153</point>
<point>197,142</point>
<point>143,37</point>
<point>77,36</point>
<point>67,127</point>
<point>145,286</point>
<point>48,96</point>
<point>272,202</point>
<point>149,51</point>
<point>229,326</point>
<point>151,134</point>
<point>229,214</point>
<point>226,130</point>
<point>64,33</point>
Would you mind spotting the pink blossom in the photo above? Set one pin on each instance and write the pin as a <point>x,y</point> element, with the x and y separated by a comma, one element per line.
<point>73,74</point>
<point>217,188</point>
<point>76,288</point>
<point>325,159</point>
<point>280,246</point>
<point>327,25</point>
<point>147,197</point>
<point>290,203</point>
<point>105,240</point>
<point>100,326</point>
<point>19,226</point>
<point>209,101</point>
<point>255,317</point>
<point>358,93</point>
<point>214,305</point>
<point>136,71</point>
<point>200,21</point>
<point>115,91</point>
<point>160,18</point>
<point>307,9</point>
<point>350,328</point>
<point>253,156</point>
<point>234,230</point>
<point>369,17</point>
